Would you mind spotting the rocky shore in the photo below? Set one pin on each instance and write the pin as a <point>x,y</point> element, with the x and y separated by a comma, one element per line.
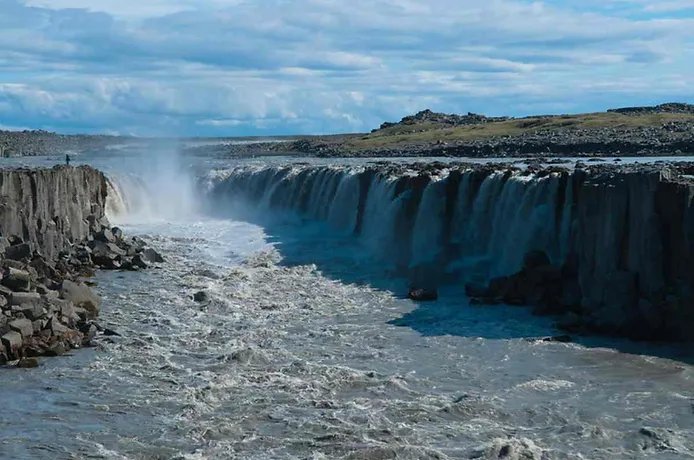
<point>54,235</point>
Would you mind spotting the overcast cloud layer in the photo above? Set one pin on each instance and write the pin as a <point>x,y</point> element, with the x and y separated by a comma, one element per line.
<point>234,67</point>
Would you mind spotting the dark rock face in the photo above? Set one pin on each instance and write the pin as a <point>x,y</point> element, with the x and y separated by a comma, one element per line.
<point>47,208</point>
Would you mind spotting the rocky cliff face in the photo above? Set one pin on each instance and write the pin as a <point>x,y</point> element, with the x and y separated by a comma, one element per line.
<point>49,208</point>
<point>53,235</point>
<point>612,247</point>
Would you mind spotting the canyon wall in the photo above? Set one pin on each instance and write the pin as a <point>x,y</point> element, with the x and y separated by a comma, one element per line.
<point>49,208</point>
<point>619,240</point>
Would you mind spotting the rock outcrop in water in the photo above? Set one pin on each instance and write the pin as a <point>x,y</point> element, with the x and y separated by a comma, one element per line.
<point>53,235</point>
<point>609,247</point>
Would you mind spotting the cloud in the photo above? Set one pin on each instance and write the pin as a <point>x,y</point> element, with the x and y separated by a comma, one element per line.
<point>271,66</point>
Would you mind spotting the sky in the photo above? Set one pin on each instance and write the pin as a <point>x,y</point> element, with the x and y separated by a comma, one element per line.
<point>269,67</point>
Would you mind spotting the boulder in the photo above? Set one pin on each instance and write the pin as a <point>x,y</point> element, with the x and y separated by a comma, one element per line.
<point>5,292</point>
<point>25,298</point>
<point>81,296</point>
<point>15,240</point>
<point>139,262</point>
<point>56,349</point>
<point>117,233</point>
<point>44,269</point>
<point>13,343</point>
<point>56,327</point>
<point>423,295</point>
<point>28,363</point>
<point>151,256</point>
<point>201,296</point>
<point>23,326</point>
<point>18,252</point>
<point>105,236</point>
<point>31,311</point>
<point>17,280</point>
<point>94,224</point>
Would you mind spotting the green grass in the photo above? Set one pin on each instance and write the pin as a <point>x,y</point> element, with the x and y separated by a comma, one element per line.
<point>426,133</point>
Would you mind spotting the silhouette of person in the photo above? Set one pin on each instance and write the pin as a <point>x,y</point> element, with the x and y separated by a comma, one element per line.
<point>67,160</point>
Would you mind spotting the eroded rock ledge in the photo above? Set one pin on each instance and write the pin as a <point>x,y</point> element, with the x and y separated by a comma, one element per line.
<point>53,235</point>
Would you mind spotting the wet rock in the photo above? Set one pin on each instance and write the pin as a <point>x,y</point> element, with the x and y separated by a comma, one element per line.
<point>423,295</point>
<point>657,439</point>
<point>243,356</point>
<point>201,296</point>
<point>117,233</point>
<point>56,349</point>
<point>28,363</point>
<point>554,338</point>
<point>139,262</point>
<point>111,333</point>
<point>509,449</point>
<point>151,256</point>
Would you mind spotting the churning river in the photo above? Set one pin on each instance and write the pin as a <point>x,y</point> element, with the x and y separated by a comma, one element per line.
<point>307,349</point>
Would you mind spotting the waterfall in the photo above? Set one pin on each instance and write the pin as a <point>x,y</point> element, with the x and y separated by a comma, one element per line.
<point>476,223</point>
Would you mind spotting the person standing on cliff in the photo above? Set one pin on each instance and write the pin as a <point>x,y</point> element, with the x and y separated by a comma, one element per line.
<point>67,159</point>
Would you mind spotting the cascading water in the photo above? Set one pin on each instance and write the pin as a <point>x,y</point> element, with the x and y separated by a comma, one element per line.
<point>480,226</point>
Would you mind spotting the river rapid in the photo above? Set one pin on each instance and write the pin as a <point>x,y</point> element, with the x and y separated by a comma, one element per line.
<point>307,349</point>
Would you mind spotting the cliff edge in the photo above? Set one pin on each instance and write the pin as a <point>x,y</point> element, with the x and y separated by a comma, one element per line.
<point>53,235</point>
